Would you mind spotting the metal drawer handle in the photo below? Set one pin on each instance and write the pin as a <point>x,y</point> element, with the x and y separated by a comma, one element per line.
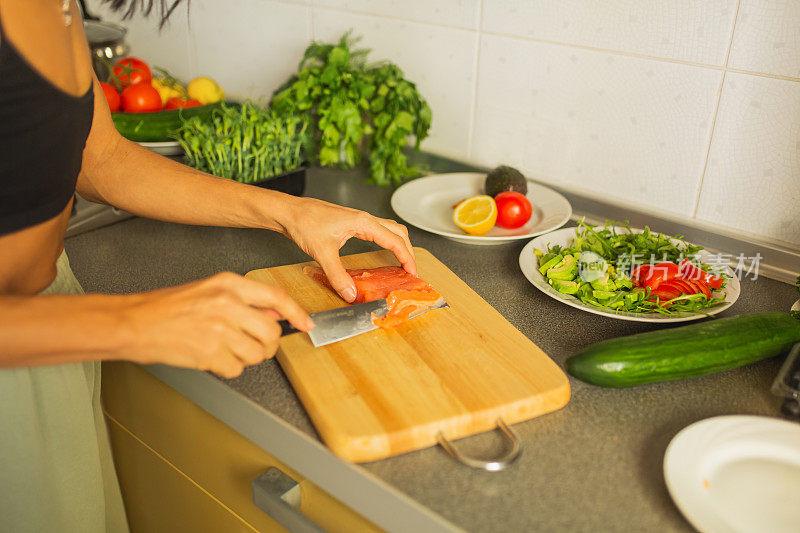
<point>492,465</point>
<point>278,496</point>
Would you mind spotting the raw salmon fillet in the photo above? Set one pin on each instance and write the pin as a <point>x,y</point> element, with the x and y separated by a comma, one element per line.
<point>373,283</point>
<point>405,294</point>
<point>403,304</point>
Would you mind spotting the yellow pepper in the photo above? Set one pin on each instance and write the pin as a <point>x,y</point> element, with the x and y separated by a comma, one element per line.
<point>205,90</point>
<point>167,89</point>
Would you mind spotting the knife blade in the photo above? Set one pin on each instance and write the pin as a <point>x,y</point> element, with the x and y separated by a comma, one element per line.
<point>344,322</point>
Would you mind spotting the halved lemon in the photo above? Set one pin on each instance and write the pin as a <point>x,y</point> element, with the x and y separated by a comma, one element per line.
<point>476,215</point>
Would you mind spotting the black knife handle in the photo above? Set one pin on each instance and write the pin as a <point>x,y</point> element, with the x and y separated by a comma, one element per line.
<point>286,328</point>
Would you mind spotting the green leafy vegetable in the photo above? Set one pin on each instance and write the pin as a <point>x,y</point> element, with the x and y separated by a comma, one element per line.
<point>357,107</point>
<point>245,143</point>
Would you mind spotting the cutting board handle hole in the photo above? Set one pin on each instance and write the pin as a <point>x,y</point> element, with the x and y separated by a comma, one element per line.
<point>492,465</point>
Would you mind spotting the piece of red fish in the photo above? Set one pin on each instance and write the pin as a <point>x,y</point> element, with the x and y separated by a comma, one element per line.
<point>403,304</point>
<point>373,283</point>
<point>405,294</point>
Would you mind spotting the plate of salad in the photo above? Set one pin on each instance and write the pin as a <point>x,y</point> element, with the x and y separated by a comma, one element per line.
<point>629,274</point>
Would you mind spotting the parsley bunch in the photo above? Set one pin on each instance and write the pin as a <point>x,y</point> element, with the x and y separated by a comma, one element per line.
<point>357,109</point>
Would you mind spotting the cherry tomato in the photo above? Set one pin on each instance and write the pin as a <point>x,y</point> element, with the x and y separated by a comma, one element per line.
<point>112,96</point>
<point>690,271</point>
<point>181,103</point>
<point>131,70</point>
<point>140,98</point>
<point>513,209</point>
<point>659,273</point>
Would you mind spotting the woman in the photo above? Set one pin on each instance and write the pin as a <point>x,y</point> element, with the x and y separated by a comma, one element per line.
<point>56,137</point>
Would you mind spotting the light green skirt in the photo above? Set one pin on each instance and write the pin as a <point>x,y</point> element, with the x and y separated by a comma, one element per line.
<point>56,470</point>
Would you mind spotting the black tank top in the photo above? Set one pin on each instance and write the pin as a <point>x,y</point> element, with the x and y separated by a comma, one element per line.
<point>43,131</point>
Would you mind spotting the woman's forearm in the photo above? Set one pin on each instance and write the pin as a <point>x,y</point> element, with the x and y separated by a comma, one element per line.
<point>143,183</point>
<point>46,330</point>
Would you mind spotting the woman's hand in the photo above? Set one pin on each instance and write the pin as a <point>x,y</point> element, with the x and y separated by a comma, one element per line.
<point>320,229</point>
<point>220,324</point>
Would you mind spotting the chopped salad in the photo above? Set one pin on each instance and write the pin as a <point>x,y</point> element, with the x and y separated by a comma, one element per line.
<point>642,272</point>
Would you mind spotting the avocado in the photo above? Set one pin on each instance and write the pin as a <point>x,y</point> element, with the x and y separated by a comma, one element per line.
<point>564,286</point>
<point>505,178</point>
<point>603,295</point>
<point>623,282</point>
<point>550,263</point>
<point>604,284</point>
<point>567,269</point>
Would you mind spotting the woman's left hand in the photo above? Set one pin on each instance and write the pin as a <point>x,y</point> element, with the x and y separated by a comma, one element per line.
<point>320,229</point>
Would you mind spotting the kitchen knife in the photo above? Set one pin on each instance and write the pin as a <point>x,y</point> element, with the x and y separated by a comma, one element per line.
<point>345,322</point>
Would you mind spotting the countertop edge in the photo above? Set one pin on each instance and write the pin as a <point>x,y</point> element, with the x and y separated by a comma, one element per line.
<point>385,506</point>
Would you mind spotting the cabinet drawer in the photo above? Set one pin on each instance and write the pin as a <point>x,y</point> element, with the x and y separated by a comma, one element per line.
<point>208,452</point>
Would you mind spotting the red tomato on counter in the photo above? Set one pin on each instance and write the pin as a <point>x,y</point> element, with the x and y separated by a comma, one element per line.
<point>180,103</point>
<point>141,98</point>
<point>112,96</point>
<point>131,70</point>
<point>513,209</point>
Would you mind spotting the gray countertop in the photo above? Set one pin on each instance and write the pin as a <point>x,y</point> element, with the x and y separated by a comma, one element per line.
<point>595,464</point>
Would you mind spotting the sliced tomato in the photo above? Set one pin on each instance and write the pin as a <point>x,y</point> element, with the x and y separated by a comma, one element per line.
<point>659,273</point>
<point>664,295</point>
<point>639,274</point>
<point>701,286</point>
<point>690,271</point>
<point>677,284</point>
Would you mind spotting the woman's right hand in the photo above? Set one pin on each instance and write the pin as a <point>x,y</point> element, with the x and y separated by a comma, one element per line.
<point>220,324</point>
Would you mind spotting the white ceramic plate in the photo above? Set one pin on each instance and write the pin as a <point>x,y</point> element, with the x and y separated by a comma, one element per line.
<point>737,473</point>
<point>164,148</point>
<point>529,264</point>
<point>427,203</point>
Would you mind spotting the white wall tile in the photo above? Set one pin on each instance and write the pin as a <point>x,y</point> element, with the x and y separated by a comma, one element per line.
<point>767,37</point>
<point>439,60</point>
<point>625,128</point>
<point>457,13</point>
<point>752,182</point>
<point>250,47</point>
<point>697,31</point>
<point>169,48</point>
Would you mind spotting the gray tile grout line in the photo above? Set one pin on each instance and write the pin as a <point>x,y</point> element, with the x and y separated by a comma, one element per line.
<point>569,45</point>
<point>716,112</point>
<point>476,72</point>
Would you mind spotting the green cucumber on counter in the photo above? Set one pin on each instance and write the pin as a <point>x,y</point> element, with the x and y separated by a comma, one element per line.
<point>687,351</point>
<point>157,126</point>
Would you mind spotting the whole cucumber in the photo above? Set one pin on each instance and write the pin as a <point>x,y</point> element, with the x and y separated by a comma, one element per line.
<point>686,351</point>
<point>156,126</point>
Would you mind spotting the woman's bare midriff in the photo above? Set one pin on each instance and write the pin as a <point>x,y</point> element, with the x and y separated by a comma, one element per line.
<point>28,257</point>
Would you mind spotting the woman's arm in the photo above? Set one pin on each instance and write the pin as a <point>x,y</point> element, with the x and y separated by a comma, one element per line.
<point>220,324</point>
<point>121,173</point>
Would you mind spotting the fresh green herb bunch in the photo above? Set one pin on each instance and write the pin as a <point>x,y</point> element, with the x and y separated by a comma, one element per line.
<point>357,106</point>
<point>244,142</point>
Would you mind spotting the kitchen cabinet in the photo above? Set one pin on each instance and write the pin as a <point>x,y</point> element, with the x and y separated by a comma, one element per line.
<point>181,469</point>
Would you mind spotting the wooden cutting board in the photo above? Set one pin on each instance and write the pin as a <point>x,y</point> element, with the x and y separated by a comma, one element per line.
<point>388,392</point>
